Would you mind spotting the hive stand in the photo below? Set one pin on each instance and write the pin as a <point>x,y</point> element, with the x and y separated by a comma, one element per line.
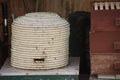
<point>70,72</point>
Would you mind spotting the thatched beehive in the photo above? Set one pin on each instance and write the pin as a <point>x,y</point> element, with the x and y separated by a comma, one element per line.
<point>39,41</point>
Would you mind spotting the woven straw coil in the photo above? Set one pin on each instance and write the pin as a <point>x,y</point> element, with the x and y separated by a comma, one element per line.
<point>40,40</point>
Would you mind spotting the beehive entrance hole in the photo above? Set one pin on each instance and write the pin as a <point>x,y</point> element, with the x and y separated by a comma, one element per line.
<point>39,60</point>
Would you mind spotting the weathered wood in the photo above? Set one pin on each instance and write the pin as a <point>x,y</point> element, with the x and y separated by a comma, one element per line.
<point>104,0</point>
<point>65,7</point>
<point>104,64</point>
<point>103,76</point>
<point>104,38</point>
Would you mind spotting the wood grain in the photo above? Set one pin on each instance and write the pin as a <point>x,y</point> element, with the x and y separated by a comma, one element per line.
<point>65,7</point>
<point>105,0</point>
<point>104,64</point>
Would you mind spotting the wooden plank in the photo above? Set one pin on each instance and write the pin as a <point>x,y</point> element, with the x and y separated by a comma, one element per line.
<point>112,5</point>
<point>101,5</point>
<point>117,5</point>
<point>20,7</point>
<point>62,7</point>
<point>65,7</point>
<point>103,76</point>
<point>17,7</point>
<point>103,0</point>
<point>106,5</point>
<point>118,77</point>
<point>96,6</point>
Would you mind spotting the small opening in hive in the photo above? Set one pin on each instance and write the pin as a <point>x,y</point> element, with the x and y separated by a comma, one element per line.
<point>52,38</point>
<point>55,58</point>
<point>36,47</point>
<point>39,60</point>
<point>43,52</point>
<point>44,48</point>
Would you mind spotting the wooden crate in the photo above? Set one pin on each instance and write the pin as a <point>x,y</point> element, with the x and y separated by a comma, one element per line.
<point>104,37</point>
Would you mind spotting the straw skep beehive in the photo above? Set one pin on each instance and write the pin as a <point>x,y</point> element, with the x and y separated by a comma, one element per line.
<point>40,40</point>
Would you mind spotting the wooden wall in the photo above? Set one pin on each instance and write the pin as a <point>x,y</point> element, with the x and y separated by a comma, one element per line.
<point>62,7</point>
<point>65,7</point>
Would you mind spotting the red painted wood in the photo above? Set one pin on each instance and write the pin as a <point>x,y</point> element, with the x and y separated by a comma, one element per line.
<point>117,22</point>
<point>117,45</point>
<point>117,65</point>
<point>105,41</point>
<point>105,20</point>
<point>105,64</point>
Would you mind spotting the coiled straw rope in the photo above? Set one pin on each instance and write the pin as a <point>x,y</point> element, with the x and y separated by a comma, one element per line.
<point>40,40</point>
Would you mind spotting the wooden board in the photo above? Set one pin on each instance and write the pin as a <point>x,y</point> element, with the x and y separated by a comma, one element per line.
<point>71,69</point>
<point>65,7</point>
<point>105,77</point>
<point>105,0</point>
